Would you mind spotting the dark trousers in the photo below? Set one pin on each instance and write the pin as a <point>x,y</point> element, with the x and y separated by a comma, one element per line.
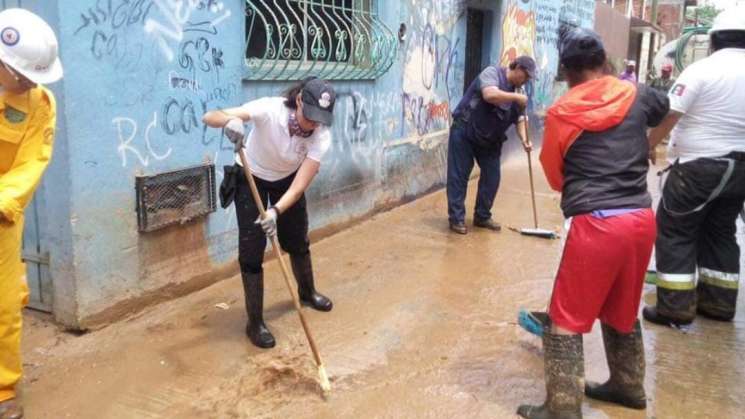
<point>461,155</point>
<point>292,225</point>
<point>702,241</point>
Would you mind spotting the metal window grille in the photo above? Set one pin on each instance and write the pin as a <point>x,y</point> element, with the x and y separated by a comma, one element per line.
<point>331,39</point>
<point>175,197</point>
<point>7,4</point>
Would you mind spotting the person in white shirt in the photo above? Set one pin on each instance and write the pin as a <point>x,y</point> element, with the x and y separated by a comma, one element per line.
<point>705,187</point>
<point>284,149</point>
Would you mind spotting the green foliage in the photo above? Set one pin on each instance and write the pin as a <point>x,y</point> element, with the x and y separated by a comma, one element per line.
<point>704,15</point>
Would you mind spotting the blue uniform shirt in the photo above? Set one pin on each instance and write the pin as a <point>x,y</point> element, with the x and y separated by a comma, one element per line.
<point>486,124</point>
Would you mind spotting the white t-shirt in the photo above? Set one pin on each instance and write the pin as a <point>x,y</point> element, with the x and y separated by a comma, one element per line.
<point>711,95</point>
<point>272,153</point>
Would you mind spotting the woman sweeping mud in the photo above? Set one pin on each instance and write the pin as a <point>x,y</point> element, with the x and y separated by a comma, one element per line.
<point>595,153</point>
<point>284,151</point>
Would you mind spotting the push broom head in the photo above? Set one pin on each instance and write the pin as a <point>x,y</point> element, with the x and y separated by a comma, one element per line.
<point>533,322</point>
<point>324,379</point>
<point>539,232</point>
<point>536,232</point>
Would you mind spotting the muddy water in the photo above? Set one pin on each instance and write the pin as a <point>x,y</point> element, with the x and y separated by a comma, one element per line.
<point>423,326</point>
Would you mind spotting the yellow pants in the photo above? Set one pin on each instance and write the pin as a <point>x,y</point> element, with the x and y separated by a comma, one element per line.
<point>13,297</point>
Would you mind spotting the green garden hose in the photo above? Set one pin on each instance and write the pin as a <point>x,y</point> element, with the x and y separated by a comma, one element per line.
<point>688,33</point>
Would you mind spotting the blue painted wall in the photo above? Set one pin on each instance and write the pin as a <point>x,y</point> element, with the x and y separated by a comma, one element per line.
<point>139,75</point>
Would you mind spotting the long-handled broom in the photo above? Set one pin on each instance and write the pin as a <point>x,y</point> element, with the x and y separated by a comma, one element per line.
<point>323,377</point>
<point>533,321</point>
<point>535,231</point>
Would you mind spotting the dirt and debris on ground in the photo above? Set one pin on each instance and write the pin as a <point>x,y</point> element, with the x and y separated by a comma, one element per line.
<point>423,326</point>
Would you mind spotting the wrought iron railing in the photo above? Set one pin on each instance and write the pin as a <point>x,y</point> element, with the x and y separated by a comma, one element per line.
<point>331,39</point>
<point>7,4</point>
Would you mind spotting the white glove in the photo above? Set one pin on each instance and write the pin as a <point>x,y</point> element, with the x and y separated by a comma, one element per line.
<point>269,222</point>
<point>236,132</point>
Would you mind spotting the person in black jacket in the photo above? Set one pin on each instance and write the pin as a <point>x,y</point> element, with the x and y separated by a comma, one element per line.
<point>594,152</point>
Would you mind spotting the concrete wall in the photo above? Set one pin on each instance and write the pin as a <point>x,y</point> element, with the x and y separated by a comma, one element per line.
<point>121,114</point>
<point>613,26</point>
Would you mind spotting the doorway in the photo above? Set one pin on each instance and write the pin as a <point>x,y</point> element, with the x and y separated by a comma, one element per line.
<point>474,38</point>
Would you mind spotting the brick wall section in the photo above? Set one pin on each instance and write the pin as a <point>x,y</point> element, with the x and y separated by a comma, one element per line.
<point>622,4</point>
<point>668,15</point>
<point>669,19</point>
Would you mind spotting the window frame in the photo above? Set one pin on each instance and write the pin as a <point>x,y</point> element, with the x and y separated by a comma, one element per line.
<point>366,50</point>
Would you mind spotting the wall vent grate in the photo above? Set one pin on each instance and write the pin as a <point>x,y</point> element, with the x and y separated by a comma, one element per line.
<point>175,197</point>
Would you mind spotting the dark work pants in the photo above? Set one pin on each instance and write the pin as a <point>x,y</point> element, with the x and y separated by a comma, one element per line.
<point>292,225</point>
<point>461,155</point>
<point>702,241</point>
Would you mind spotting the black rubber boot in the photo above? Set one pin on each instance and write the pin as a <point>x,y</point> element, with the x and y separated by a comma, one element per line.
<point>674,307</point>
<point>625,355</point>
<point>718,316</point>
<point>303,270</point>
<point>651,314</point>
<point>256,330</point>
<point>716,302</point>
<point>565,372</point>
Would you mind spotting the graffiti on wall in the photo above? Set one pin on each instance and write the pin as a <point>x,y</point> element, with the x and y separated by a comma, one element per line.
<point>518,33</point>
<point>165,67</point>
<point>368,119</point>
<point>176,22</point>
<point>578,12</point>
<point>430,76</point>
<point>104,26</point>
<point>355,151</point>
<point>531,27</point>
<point>160,64</point>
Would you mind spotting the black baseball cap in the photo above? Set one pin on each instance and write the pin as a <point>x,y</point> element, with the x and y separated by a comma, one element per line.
<point>579,41</point>
<point>527,64</point>
<point>318,101</point>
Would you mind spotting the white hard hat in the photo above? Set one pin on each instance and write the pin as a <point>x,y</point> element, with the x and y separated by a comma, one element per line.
<point>29,46</point>
<point>732,19</point>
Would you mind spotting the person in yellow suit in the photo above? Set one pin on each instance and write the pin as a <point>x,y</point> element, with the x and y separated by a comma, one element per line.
<point>28,58</point>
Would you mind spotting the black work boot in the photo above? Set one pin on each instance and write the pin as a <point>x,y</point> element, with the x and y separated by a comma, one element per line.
<point>10,409</point>
<point>565,371</point>
<point>256,330</point>
<point>303,270</point>
<point>625,355</point>
<point>651,314</point>
<point>716,302</point>
<point>674,307</point>
<point>488,224</point>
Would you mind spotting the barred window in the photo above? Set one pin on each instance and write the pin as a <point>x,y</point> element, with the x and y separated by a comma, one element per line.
<point>333,39</point>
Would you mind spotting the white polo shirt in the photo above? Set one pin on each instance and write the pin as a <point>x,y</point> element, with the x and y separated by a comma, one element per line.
<point>711,95</point>
<point>272,153</point>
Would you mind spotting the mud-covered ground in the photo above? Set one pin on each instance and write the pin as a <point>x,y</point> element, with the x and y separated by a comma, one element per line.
<point>423,327</point>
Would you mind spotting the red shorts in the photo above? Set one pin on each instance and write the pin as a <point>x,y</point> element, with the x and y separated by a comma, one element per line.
<point>601,274</point>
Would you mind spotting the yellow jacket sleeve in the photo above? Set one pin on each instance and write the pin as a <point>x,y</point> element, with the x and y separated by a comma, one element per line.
<point>17,185</point>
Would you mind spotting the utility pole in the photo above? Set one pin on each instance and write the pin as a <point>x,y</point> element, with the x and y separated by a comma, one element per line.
<point>655,3</point>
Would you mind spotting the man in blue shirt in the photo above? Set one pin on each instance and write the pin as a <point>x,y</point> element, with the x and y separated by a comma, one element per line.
<point>480,122</point>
